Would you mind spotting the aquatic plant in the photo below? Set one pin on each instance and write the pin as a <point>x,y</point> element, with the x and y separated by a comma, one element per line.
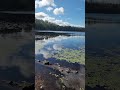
<point>71,55</point>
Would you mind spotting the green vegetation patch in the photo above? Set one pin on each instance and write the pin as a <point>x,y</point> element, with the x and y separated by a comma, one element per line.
<point>71,55</point>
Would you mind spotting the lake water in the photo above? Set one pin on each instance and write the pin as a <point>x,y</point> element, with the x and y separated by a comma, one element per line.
<point>66,49</point>
<point>47,45</point>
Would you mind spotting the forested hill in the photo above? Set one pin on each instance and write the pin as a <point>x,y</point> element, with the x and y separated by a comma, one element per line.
<point>45,25</point>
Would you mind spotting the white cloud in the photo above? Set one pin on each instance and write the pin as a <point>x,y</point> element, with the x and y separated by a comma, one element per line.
<point>36,5</point>
<point>57,47</point>
<point>49,48</point>
<point>43,3</point>
<point>45,17</point>
<point>58,11</point>
<point>45,53</point>
<point>49,8</point>
<point>40,15</point>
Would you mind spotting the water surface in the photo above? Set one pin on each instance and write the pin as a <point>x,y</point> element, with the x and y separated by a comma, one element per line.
<point>66,49</point>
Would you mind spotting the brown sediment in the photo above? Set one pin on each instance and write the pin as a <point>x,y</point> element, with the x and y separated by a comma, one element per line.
<point>69,79</point>
<point>39,82</point>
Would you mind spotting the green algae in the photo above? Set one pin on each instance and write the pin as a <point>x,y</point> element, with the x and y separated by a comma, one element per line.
<point>71,55</point>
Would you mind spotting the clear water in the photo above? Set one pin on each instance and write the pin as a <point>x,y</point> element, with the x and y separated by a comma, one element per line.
<point>49,43</point>
<point>45,47</point>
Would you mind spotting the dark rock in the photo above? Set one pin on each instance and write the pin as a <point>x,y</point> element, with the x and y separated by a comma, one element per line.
<point>39,61</point>
<point>68,70</point>
<point>76,72</point>
<point>62,70</point>
<point>46,62</point>
<point>11,82</point>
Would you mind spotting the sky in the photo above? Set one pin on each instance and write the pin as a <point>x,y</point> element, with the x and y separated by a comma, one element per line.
<point>61,12</point>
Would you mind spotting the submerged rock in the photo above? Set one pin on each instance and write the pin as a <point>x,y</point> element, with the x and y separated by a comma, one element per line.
<point>11,83</point>
<point>39,61</point>
<point>68,70</point>
<point>57,64</point>
<point>46,62</point>
<point>76,72</point>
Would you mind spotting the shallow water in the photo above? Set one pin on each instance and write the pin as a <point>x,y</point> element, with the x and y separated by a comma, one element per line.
<point>49,46</point>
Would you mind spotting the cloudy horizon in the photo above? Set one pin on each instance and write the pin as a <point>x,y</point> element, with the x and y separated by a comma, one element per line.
<point>60,12</point>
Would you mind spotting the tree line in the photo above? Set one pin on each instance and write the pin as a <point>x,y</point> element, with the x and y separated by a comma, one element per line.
<point>45,25</point>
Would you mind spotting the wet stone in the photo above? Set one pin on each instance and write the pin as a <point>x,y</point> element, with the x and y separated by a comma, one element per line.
<point>41,88</point>
<point>46,62</point>
<point>76,72</point>
<point>68,70</point>
<point>11,82</point>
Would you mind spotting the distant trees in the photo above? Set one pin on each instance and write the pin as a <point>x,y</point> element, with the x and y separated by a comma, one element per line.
<point>45,25</point>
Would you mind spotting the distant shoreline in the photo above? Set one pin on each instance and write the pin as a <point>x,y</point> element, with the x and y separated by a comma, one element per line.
<point>58,31</point>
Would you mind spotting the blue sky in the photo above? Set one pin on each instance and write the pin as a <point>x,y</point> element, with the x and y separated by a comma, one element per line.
<point>61,12</point>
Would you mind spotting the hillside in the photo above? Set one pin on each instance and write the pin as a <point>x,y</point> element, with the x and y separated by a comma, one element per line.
<point>45,25</point>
